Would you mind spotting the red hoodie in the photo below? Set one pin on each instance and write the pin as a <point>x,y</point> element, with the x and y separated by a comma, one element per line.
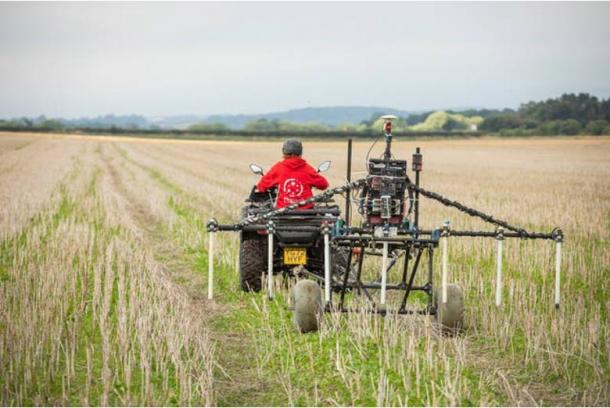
<point>294,178</point>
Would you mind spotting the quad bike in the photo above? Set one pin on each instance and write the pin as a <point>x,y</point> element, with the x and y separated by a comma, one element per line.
<point>326,246</point>
<point>297,244</point>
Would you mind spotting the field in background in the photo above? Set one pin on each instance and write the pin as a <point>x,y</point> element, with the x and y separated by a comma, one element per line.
<point>103,281</point>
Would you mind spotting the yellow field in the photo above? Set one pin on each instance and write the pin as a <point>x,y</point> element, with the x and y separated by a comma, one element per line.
<point>103,280</point>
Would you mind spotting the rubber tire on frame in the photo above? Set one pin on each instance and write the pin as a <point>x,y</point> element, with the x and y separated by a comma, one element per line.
<point>450,316</point>
<point>306,299</point>
<point>251,264</point>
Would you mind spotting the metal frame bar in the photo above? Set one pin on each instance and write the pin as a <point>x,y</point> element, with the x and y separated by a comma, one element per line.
<point>410,286</point>
<point>383,311</point>
<point>356,230</point>
<point>411,246</point>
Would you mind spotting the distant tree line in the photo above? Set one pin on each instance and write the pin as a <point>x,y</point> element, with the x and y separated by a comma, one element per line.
<point>438,122</point>
<point>264,126</point>
<point>29,123</point>
<point>109,122</point>
<point>569,114</point>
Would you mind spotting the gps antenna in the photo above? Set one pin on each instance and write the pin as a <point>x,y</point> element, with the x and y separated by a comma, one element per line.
<point>387,130</point>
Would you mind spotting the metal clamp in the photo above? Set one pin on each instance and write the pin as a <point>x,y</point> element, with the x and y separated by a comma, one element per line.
<point>270,227</point>
<point>557,234</point>
<point>212,225</point>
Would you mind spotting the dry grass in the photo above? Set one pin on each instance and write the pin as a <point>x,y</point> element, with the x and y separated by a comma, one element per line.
<point>88,315</point>
<point>96,308</point>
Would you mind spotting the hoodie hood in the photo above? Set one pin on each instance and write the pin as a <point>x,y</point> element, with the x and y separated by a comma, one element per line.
<point>294,163</point>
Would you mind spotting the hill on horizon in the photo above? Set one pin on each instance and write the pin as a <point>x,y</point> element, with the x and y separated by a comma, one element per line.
<point>330,115</point>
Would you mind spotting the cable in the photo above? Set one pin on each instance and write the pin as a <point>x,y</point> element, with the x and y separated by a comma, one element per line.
<point>366,161</point>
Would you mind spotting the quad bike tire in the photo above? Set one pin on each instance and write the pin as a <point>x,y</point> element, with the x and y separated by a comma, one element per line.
<point>450,315</point>
<point>339,260</point>
<point>251,264</point>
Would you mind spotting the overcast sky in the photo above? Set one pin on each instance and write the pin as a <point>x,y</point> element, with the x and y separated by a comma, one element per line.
<point>84,59</point>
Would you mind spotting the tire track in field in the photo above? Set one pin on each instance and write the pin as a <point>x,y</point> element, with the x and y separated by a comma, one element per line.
<point>236,383</point>
<point>172,258</point>
<point>152,228</point>
<point>135,207</point>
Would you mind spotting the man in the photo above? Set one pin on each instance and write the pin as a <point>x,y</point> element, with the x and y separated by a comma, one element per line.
<point>293,176</point>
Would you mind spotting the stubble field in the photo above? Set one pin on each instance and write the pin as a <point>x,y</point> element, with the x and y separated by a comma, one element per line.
<point>103,268</point>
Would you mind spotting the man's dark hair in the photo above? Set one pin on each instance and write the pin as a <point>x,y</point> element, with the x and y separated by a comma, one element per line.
<point>292,147</point>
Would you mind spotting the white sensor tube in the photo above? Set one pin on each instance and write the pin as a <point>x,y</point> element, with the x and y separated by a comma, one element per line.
<point>270,264</point>
<point>384,273</point>
<point>444,272</point>
<point>326,268</point>
<point>557,273</point>
<point>499,274</point>
<point>211,265</point>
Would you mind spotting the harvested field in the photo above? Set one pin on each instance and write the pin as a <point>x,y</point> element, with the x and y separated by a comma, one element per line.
<point>103,270</point>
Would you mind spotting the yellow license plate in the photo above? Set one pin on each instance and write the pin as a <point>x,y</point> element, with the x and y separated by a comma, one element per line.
<point>295,256</point>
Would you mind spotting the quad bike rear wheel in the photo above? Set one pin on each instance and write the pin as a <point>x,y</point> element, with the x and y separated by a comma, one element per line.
<point>251,263</point>
<point>339,263</point>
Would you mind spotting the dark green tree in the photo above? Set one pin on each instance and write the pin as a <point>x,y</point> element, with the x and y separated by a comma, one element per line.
<point>208,127</point>
<point>497,122</point>
<point>569,127</point>
<point>596,127</point>
<point>52,124</point>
